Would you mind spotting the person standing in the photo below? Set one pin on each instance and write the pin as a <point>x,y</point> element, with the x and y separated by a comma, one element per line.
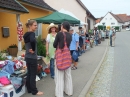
<point>103,35</point>
<point>50,50</point>
<point>59,28</point>
<point>31,57</point>
<point>111,35</point>
<point>113,38</point>
<point>96,35</point>
<point>74,46</point>
<point>63,78</point>
<point>87,35</point>
<point>82,34</point>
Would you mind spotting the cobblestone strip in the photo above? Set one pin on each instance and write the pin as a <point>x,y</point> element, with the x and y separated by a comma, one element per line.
<point>101,84</point>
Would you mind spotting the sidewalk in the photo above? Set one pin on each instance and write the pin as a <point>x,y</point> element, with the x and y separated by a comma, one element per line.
<point>102,82</point>
<point>87,64</point>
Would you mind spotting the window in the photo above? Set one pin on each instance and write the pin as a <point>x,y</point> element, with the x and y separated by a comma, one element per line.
<point>103,23</point>
<point>112,23</point>
<point>110,18</point>
<point>39,30</point>
<point>106,18</point>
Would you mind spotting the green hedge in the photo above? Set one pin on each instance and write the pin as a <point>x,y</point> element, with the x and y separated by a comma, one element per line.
<point>41,48</point>
<point>90,32</point>
<point>100,27</point>
<point>116,27</point>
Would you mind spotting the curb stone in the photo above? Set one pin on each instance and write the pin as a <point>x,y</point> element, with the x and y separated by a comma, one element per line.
<point>90,81</point>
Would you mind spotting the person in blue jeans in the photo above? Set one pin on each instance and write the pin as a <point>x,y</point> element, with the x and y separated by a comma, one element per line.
<point>82,34</point>
<point>74,46</point>
<point>110,35</point>
<point>50,50</point>
<point>96,34</point>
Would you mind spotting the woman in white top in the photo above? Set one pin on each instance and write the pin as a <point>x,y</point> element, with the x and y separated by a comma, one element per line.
<point>50,50</point>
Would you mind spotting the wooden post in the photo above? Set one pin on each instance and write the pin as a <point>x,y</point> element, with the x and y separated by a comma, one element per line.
<point>19,42</point>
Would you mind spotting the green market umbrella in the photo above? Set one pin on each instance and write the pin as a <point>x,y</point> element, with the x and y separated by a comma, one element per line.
<point>57,18</point>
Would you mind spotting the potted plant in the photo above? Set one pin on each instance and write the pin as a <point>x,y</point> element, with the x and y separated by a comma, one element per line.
<point>4,53</point>
<point>2,57</point>
<point>13,50</point>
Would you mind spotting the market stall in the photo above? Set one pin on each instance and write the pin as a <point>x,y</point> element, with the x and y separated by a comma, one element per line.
<point>13,72</point>
<point>12,77</point>
<point>57,18</point>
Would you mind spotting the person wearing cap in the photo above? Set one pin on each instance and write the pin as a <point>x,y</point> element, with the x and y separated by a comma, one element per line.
<point>82,34</point>
<point>74,46</point>
<point>50,50</point>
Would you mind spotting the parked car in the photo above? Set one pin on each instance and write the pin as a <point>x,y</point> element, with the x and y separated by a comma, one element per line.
<point>127,29</point>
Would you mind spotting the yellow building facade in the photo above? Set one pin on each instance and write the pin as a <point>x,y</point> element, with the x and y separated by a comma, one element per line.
<point>8,19</point>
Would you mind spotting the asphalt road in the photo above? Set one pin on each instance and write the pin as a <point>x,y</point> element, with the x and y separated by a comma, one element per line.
<point>120,84</point>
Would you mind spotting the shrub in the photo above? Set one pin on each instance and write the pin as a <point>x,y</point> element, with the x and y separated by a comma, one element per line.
<point>90,32</point>
<point>41,48</point>
<point>13,46</point>
<point>101,27</point>
<point>24,47</point>
<point>1,56</point>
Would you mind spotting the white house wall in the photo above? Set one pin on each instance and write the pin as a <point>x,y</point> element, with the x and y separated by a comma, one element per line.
<point>92,23</point>
<point>126,23</point>
<point>70,5</point>
<point>108,20</point>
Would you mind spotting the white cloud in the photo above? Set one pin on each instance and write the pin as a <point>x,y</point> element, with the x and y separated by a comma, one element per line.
<point>100,7</point>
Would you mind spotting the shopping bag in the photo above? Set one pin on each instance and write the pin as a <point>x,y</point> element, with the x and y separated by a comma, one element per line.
<point>46,60</point>
<point>75,55</point>
<point>63,57</point>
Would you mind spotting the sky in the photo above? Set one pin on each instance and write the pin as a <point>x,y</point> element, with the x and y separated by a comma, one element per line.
<point>99,8</point>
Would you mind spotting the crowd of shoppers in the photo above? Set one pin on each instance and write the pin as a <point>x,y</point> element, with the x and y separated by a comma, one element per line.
<point>63,45</point>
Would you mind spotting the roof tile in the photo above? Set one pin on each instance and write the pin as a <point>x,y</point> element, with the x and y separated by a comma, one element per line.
<point>12,5</point>
<point>39,3</point>
<point>117,18</point>
<point>123,17</point>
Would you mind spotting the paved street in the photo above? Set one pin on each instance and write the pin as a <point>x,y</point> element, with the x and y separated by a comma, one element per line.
<point>113,77</point>
<point>87,64</point>
<point>121,75</point>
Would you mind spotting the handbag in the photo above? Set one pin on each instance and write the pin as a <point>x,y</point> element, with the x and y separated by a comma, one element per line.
<point>75,55</point>
<point>63,56</point>
<point>99,41</point>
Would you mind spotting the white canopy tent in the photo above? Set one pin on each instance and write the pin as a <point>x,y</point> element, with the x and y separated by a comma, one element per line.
<point>71,14</point>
